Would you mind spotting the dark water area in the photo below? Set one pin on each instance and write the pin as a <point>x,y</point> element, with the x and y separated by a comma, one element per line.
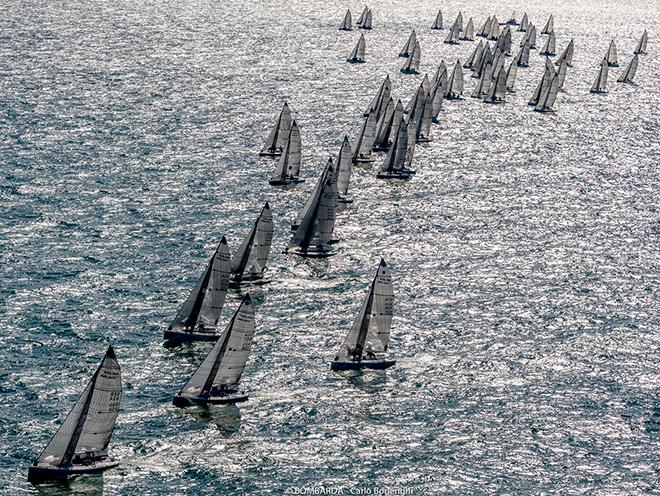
<point>524,253</point>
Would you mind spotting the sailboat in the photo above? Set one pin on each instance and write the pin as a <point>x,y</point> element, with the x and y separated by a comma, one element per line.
<point>288,167</point>
<point>549,48</point>
<point>409,46</point>
<point>486,58</point>
<point>366,22</point>
<point>367,341</point>
<point>80,445</point>
<point>494,32</point>
<point>437,24</point>
<point>313,235</point>
<point>512,20</point>
<point>601,79</point>
<point>511,75</point>
<point>548,74</point>
<point>216,379</point>
<point>379,101</point>
<point>343,171</point>
<point>504,41</point>
<point>198,317</point>
<point>388,130</point>
<point>497,91</point>
<point>249,262</point>
<point>561,73</point>
<point>440,75</point>
<point>437,96</point>
<point>524,23</point>
<point>485,29</point>
<point>454,34</point>
<point>566,55</point>
<point>481,89</point>
<point>530,37</point>
<point>346,24</point>
<point>455,83</point>
<point>365,140</point>
<point>548,96</point>
<point>422,120</point>
<point>629,73</point>
<point>357,55</point>
<point>611,55</point>
<point>383,127</point>
<point>393,166</point>
<point>363,16</point>
<point>468,33</point>
<point>523,56</point>
<point>641,46</point>
<point>279,134</point>
<point>476,55</point>
<point>549,26</point>
<point>411,65</point>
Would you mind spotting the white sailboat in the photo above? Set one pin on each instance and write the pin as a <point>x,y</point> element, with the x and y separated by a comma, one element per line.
<point>504,41</point>
<point>548,74</point>
<point>549,95</point>
<point>411,66</point>
<point>288,167</point>
<point>440,75</point>
<point>486,58</point>
<point>611,57</point>
<point>366,344</point>
<point>394,164</point>
<point>409,46</point>
<point>278,135</point>
<point>497,91</point>
<point>357,55</point>
<point>549,25</point>
<point>468,33</point>
<point>198,317</point>
<point>363,16</point>
<point>455,83</point>
<point>216,379</point>
<point>346,24</point>
<point>379,101</point>
<point>485,28</point>
<point>567,55</point>
<point>437,24</point>
<point>495,31</point>
<point>365,140</point>
<point>249,262</point>
<point>481,89</point>
<point>313,236</point>
<point>511,75</point>
<point>437,96</point>
<point>641,46</point>
<point>343,171</point>
<point>382,126</point>
<point>523,57</point>
<point>454,34</point>
<point>388,130</point>
<point>476,55</point>
<point>524,23</point>
<point>550,45</point>
<point>601,79</point>
<point>80,445</point>
<point>529,38</point>
<point>366,22</point>
<point>629,73</point>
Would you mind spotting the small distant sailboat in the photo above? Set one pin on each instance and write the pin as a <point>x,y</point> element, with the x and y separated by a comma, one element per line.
<point>641,46</point>
<point>455,83</point>
<point>363,16</point>
<point>566,55</point>
<point>313,235</point>
<point>423,121</point>
<point>504,41</point>
<point>343,171</point>
<point>511,75</point>
<point>440,75</point>
<point>437,24</point>
<point>497,91</point>
<point>198,316</point>
<point>530,37</point>
<point>523,56</point>
<point>524,23</point>
<point>549,26</point>
<point>367,342</point>
<point>468,33</point>
<point>365,22</point>
<point>80,445</point>
<point>548,96</point>
<point>611,57</point>
<point>601,79</point>
<point>561,73</point>
<point>388,130</point>
<point>365,140</point>
<point>437,96</point>
<point>216,380</point>
<point>357,55</point>
<point>630,71</point>
<point>485,28</point>
<point>279,134</point>
<point>486,58</point>
<point>512,20</point>
<point>481,89</point>
<point>379,101</point>
<point>476,55</point>
<point>495,31</point>
<point>411,66</point>
<point>549,48</point>
<point>454,34</point>
<point>249,262</point>
<point>543,85</point>
<point>409,46</point>
<point>288,167</point>
<point>394,165</point>
<point>346,24</point>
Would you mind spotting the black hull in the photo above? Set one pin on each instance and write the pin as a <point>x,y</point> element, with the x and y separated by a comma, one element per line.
<point>230,399</point>
<point>402,176</point>
<point>38,475</point>
<point>285,182</point>
<point>364,364</point>
<point>311,253</point>
<point>270,154</point>
<point>186,337</point>
<point>248,282</point>
<point>355,61</point>
<point>408,71</point>
<point>544,110</point>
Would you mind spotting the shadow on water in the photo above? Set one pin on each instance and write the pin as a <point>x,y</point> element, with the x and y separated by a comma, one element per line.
<point>368,381</point>
<point>226,417</point>
<point>90,485</point>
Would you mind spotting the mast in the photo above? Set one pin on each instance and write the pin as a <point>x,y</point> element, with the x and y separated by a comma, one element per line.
<point>641,46</point>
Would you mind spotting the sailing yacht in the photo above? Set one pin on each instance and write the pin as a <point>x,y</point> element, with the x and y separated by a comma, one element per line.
<point>343,171</point>
<point>379,101</point>
<point>468,33</point>
<point>278,135</point>
<point>364,22</point>
<point>548,75</point>
<point>497,91</point>
<point>80,444</point>
<point>394,166</point>
<point>455,83</point>
<point>411,66</point>
<point>481,89</point>
<point>511,75</point>
<point>366,344</point>
<point>611,55</point>
<point>548,96</point>
<point>346,24</point>
<point>601,79</point>
<point>524,23</point>
<point>454,34</point>
<point>522,59</point>
<point>495,31</point>
<point>549,48</point>
<point>629,73</point>
<point>216,379</point>
<point>437,24</point>
<point>389,128</point>
<point>365,140</point>
<point>198,317</point>
<point>567,55</point>
<point>409,46</point>
<point>249,262</point>
<point>475,57</point>
<point>549,26</point>
<point>485,28</point>
<point>287,171</point>
<point>641,46</point>
<point>357,55</point>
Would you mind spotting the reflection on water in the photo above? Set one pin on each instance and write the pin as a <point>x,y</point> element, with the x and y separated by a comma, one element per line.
<point>367,381</point>
<point>87,485</point>
<point>226,417</point>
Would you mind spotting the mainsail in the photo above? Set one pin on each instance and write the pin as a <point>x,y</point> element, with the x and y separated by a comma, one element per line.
<point>365,139</point>
<point>494,32</point>
<point>455,83</point>
<point>346,24</point>
<point>641,46</point>
<point>249,262</point>
<point>476,55</point>
<point>383,127</point>
<point>548,96</point>
<point>88,427</point>
<point>481,89</point>
<point>437,24</point>
<point>611,55</point>
<point>204,304</point>
<point>468,33</point>
<point>370,335</point>
<point>279,134</point>
<point>357,55</point>
<point>366,22</point>
<point>548,74</point>
<point>511,75</point>
<point>523,58</point>
<point>549,48</point>
<point>344,168</point>
<point>409,46</point>
<point>629,73</point>
<point>485,29</point>
<point>497,91</point>
<point>601,79</point>
<point>454,34</point>
<point>288,166</point>
<point>524,23</point>
<point>379,101</point>
<point>566,55</point>
<point>440,75</point>
<point>549,26</point>
<point>412,62</point>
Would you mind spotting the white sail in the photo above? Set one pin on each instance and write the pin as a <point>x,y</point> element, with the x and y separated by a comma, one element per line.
<point>468,32</point>
<point>561,74</point>
<point>346,24</point>
<point>440,73</point>
<point>459,21</point>
<point>357,55</point>
<point>455,84</point>
<point>566,55</point>
<point>549,95</point>
<point>601,79</point>
<point>412,62</point>
<point>379,101</point>
<point>204,304</point>
<point>497,91</point>
<point>504,42</point>
<point>531,37</point>
<point>437,24</point>
<point>88,426</point>
<point>549,48</point>
<point>630,71</point>
<point>396,121</point>
<point>363,16</point>
<point>425,120</point>
<point>486,58</point>
<point>370,335</point>
<point>476,55</point>
<point>279,134</point>
<point>549,26</point>
<point>524,55</point>
<point>511,75</point>
<point>611,57</point>
<point>365,140</point>
<point>485,29</point>
<point>224,364</point>
<point>548,74</point>
<point>344,168</point>
<point>426,85</point>
<point>383,126</point>
<point>641,46</point>
<point>498,62</point>
<point>494,32</point>
<point>409,46</point>
<point>311,201</point>
<point>366,24</point>
<point>396,155</point>
<point>288,166</point>
<point>437,96</point>
<point>524,23</point>
<point>454,34</point>
<point>252,256</point>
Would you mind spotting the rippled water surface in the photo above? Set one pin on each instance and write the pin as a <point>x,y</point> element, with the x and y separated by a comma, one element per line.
<point>524,252</point>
